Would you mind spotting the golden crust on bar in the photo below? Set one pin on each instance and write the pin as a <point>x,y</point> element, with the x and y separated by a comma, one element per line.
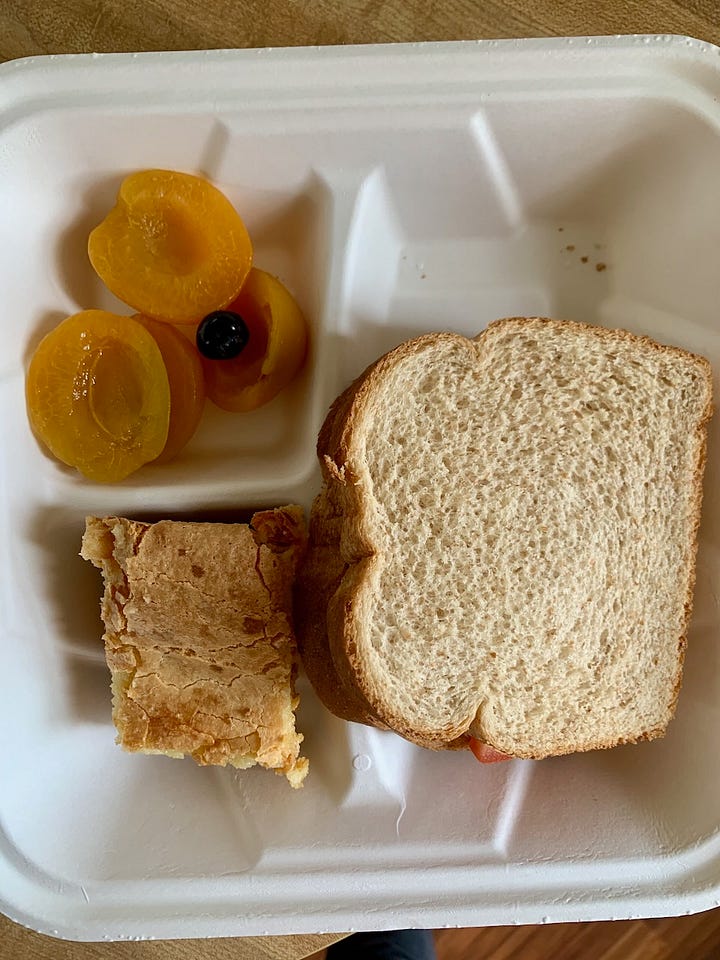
<point>199,639</point>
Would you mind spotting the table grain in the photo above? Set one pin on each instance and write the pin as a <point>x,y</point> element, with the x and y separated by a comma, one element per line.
<point>31,27</point>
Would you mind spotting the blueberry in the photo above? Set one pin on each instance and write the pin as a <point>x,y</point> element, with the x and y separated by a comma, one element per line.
<point>222,335</point>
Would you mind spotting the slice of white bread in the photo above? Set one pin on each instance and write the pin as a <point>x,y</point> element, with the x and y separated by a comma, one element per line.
<point>505,543</point>
<point>199,639</point>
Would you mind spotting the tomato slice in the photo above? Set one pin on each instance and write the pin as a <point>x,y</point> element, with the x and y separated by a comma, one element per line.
<point>487,754</point>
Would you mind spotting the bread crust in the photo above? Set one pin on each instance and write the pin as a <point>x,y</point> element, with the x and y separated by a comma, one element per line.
<point>341,552</point>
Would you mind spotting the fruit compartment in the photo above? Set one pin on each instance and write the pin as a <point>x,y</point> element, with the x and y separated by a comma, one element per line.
<point>232,457</point>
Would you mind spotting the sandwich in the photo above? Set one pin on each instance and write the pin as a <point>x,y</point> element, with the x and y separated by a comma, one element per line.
<point>502,555</point>
<point>199,638</point>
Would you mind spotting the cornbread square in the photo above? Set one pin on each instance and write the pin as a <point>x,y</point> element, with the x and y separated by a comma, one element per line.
<point>199,638</point>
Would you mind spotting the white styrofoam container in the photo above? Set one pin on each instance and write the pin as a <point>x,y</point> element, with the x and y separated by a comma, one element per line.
<point>396,190</point>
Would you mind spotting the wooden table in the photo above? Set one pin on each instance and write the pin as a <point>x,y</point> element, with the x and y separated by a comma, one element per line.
<point>29,27</point>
